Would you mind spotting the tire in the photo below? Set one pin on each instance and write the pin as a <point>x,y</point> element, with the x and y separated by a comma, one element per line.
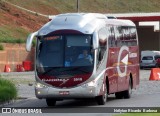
<point>51,102</point>
<point>127,93</point>
<point>141,67</point>
<point>157,66</point>
<point>119,95</point>
<point>101,100</point>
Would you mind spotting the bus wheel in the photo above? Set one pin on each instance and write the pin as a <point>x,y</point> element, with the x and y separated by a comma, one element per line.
<point>141,67</point>
<point>119,95</point>
<point>101,100</point>
<point>127,93</point>
<point>51,102</point>
<point>157,66</point>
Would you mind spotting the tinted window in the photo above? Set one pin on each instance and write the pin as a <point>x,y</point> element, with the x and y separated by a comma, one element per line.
<point>156,57</point>
<point>129,36</point>
<point>103,35</point>
<point>78,40</point>
<point>147,58</point>
<point>71,54</point>
<point>111,39</point>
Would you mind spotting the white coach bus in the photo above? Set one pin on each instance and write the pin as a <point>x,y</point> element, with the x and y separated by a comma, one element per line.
<point>85,55</point>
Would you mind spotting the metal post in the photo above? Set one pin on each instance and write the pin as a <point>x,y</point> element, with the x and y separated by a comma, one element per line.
<point>159,35</point>
<point>77,5</point>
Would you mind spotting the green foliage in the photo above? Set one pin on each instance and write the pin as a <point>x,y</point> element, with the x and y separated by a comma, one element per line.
<point>8,90</point>
<point>10,34</point>
<point>19,41</point>
<point>1,47</point>
<point>11,40</point>
<point>138,114</point>
<point>100,6</point>
<point>34,43</point>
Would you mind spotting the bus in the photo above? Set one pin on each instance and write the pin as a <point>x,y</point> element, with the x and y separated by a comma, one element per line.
<point>85,55</point>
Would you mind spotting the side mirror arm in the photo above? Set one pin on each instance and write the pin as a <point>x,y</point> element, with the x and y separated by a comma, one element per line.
<point>29,41</point>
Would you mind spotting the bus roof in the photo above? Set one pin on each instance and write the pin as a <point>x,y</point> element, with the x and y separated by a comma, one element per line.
<point>83,22</point>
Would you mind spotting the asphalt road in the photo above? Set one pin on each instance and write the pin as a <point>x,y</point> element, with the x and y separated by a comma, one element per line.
<point>147,95</point>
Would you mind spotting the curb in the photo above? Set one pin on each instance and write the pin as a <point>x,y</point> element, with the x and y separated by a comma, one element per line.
<point>16,73</point>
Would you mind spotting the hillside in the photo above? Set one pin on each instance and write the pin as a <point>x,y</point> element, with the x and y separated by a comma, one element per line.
<point>17,24</point>
<point>103,6</point>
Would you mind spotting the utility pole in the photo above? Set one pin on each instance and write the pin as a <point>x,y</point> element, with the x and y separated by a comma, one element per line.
<point>77,5</point>
<point>159,35</point>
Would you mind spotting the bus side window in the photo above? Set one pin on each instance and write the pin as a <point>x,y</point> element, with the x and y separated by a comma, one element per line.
<point>125,36</point>
<point>118,36</point>
<point>133,36</point>
<point>111,38</point>
<point>103,35</point>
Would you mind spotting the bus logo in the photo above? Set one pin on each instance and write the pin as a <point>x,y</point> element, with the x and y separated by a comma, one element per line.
<point>124,61</point>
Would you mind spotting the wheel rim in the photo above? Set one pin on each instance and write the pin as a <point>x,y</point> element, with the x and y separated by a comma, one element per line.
<point>130,88</point>
<point>105,96</point>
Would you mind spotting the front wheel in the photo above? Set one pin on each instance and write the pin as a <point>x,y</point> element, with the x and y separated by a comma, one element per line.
<point>51,102</point>
<point>101,100</point>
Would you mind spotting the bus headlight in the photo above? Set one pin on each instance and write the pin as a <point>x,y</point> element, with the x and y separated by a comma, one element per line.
<point>90,84</point>
<point>39,85</point>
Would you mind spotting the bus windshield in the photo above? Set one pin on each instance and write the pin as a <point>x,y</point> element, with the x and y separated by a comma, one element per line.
<point>64,52</point>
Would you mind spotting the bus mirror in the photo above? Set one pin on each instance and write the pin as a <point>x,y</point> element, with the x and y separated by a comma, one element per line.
<point>95,40</point>
<point>29,41</point>
<point>100,56</point>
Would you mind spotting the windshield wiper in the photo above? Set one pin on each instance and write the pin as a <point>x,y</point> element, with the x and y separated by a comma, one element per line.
<point>58,69</point>
<point>79,69</point>
<point>54,68</point>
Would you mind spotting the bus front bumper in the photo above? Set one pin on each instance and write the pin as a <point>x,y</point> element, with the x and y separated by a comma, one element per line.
<point>71,93</point>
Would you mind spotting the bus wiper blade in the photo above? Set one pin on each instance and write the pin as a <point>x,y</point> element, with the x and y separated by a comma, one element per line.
<point>56,69</point>
<point>48,71</point>
<point>79,69</point>
<point>84,71</point>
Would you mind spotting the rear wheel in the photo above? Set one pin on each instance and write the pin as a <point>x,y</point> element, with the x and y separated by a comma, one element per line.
<point>119,95</point>
<point>101,100</point>
<point>51,102</point>
<point>127,93</point>
<point>157,66</point>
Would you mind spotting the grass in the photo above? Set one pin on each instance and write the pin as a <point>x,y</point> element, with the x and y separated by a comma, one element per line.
<point>12,40</point>
<point>10,34</point>
<point>52,7</point>
<point>34,43</point>
<point>102,6</point>
<point>1,47</point>
<point>8,90</point>
<point>138,114</point>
